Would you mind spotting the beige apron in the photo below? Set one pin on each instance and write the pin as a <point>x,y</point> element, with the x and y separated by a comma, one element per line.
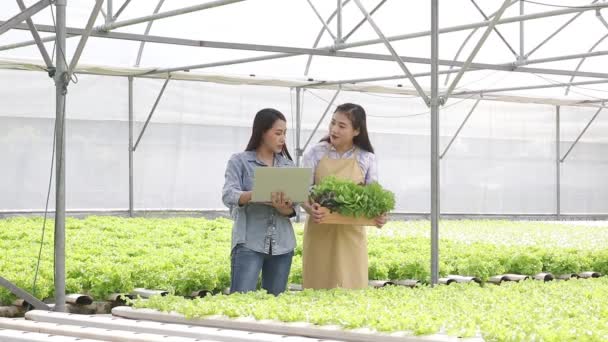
<point>335,255</point>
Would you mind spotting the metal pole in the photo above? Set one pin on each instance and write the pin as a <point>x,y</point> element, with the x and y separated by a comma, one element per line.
<point>504,40</point>
<point>557,164</point>
<point>339,23</point>
<point>582,133</point>
<point>580,63</point>
<point>318,39</point>
<point>130,146</point>
<point>465,27</point>
<point>314,9</point>
<point>121,9</point>
<point>480,43</point>
<point>160,95</point>
<point>320,52</point>
<point>329,105</point>
<point>540,86</point>
<point>561,28</point>
<point>85,36</point>
<point>110,12</point>
<point>23,15</point>
<point>459,129</point>
<point>61,83</point>
<point>362,21</point>
<point>299,151</point>
<point>521,32</point>
<point>435,208</point>
<point>390,48</point>
<point>298,125</point>
<point>146,32</point>
<point>207,5</point>
<point>37,39</point>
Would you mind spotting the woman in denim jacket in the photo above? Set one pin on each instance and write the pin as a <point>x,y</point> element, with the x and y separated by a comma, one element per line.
<point>263,239</point>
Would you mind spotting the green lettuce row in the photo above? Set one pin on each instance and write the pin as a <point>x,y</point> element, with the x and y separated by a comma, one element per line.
<point>575,310</point>
<point>108,254</point>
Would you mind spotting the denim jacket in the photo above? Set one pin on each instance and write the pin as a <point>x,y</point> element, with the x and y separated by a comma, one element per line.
<point>257,226</point>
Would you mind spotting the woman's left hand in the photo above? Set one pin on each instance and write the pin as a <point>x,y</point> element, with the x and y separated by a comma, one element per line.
<point>282,203</point>
<point>381,220</point>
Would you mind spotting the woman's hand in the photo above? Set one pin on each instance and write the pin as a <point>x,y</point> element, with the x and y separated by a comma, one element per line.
<point>381,220</point>
<point>316,213</point>
<point>282,203</point>
<point>245,198</point>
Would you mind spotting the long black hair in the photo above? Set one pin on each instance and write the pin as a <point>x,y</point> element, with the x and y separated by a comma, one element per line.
<point>264,120</point>
<point>356,115</point>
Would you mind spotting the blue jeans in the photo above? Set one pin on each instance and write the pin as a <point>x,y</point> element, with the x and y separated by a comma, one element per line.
<point>247,264</point>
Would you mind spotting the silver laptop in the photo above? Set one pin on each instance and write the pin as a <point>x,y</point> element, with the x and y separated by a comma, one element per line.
<point>292,181</point>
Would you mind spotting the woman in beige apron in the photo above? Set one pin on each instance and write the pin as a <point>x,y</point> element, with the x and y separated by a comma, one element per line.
<point>336,255</point>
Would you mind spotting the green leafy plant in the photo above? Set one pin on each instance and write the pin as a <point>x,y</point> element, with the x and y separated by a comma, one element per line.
<point>350,199</point>
<point>574,310</point>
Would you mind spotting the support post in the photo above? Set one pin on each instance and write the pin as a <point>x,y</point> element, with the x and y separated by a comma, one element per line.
<point>61,83</point>
<point>557,165</point>
<point>435,191</point>
<point>131,146</point>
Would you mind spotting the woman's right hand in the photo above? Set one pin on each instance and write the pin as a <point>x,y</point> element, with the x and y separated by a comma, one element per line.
<point>245,198</point>
<point>316,213</point>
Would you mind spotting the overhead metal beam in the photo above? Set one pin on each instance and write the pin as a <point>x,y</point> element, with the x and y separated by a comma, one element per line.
<point>222,63</point>
<point>466,41</point>
<point>360,23</point>
<point>318,39</point>
<point>121,9</point>
<point>507,67</point>
<point>581,135</point>
<point>146,32</point>
<point>580,63</point>
<point>85,36</point>
<point>552,35</point>
<point>504,40</point>
<point>566,57</point>
<point>459,129</point>
<point>480,43</point>
<point>396,56</point>
<point>314,9</point>
<point>32,42</point>
<point>471,26</point>
<point>168,14</point>
<point>37,40</point>
<point>539,86</point>
<point>318,51</point>
<point>23,15</point>
<point>327,109</point>
<point>143,130</point>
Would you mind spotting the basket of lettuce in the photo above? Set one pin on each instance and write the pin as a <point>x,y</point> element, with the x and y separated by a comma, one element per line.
<point>348,203</point>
